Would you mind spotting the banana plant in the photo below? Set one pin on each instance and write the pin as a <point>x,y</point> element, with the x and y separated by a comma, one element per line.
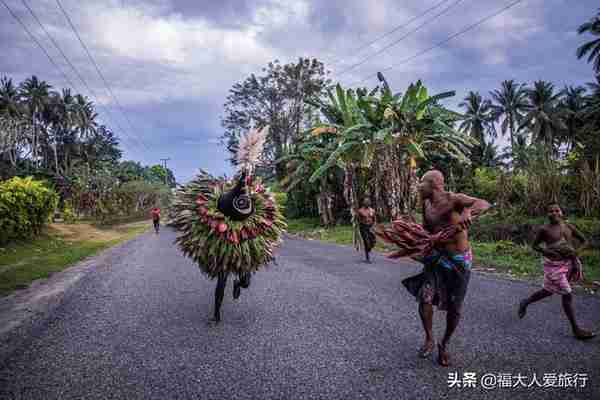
<point>421,127</point>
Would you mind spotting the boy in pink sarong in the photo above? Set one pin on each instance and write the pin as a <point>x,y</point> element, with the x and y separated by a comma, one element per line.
<point>561,265</point>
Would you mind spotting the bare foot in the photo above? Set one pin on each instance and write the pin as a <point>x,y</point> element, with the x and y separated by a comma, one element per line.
<point>426,350</point>
<point>217,318</point>
<point>236,289</point>
<point>582,334</point>
<point>443,356</point>
<point>522,308</point>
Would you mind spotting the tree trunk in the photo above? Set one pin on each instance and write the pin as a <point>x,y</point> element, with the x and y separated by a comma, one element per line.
<point>512,136</point>
<point>412,188</point>
<point>56,160</point>
<point>387,183</point>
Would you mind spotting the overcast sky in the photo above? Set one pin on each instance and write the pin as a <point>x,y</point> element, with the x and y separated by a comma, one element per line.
<point>170,63</point>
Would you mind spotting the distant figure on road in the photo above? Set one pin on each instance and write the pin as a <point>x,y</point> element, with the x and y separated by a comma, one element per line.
<point>561,265</point>
<point>442,244</point>
<point>366,220</point>
<point>156,219</point>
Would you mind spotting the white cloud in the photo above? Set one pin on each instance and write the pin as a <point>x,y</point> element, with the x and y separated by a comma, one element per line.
<point>169,56</point>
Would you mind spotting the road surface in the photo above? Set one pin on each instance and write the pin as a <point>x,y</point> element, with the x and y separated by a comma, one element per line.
<point>319,325</point>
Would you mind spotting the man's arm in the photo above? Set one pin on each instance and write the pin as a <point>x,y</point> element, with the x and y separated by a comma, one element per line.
<point>470,207</point>
<point>579,236</point>
<point>475,206</point>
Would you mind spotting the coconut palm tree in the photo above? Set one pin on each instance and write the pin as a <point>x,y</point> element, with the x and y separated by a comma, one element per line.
<point>85,117</point>
<point>61,115</point>
<point>543,118</point>
<point>11,121</point>
<point>9,98</point>
<point>571,108</point>
<point>478,122</point>
<point>509,105</point>
<point>591,48</point>
<point>35,95</point>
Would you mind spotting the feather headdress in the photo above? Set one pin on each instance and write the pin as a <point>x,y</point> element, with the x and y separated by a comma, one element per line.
<point>250,148</point>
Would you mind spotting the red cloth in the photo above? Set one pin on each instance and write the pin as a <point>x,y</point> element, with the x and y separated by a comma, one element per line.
<point>156,213</point>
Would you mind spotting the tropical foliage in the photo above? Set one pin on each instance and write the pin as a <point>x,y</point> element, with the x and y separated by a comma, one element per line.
<point>373,142</point>
<point>56,135</point>
<point>25,207</point>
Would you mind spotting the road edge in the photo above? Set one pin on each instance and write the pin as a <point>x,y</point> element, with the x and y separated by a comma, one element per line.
<point>23,310</point>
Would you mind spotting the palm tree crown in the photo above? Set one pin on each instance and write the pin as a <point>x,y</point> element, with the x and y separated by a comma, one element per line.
<point>510,103</point>
<point>591,48</point>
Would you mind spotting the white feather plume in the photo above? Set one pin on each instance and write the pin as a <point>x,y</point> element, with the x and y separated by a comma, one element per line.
<point>250,148</point>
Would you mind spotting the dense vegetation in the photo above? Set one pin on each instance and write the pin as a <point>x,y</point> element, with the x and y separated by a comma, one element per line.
<point>333,146</point>
<point>25,206</point>
<point>56,137</point>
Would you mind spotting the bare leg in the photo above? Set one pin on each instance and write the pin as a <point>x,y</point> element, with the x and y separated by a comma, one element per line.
<point>537,296</point>
<point>243,282</point>
<point>452,320</point>
<point>219,293</point>
<point>426,314</point>
<point>581,334</point>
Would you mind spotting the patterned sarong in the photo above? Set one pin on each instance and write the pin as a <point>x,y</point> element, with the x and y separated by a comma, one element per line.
<point>556,274</point>
<point>366,232</point>
<point>444,279</point>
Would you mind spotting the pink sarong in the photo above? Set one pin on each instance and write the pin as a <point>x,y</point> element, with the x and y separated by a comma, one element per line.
<point>556,275</point>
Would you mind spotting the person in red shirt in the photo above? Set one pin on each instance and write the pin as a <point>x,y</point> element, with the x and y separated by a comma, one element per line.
<point>156,218</point>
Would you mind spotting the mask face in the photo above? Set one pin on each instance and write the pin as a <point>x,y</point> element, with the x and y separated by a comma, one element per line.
<point>242,204</point>
<point>236,204</point>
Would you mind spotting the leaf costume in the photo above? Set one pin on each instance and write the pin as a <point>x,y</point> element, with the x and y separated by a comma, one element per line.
<point>229,227</point>
<point>219,242</point>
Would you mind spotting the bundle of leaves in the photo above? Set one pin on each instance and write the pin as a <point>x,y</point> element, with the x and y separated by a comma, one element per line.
<point>411,239</point>
<point>218,243</point>
<point>25,207</point>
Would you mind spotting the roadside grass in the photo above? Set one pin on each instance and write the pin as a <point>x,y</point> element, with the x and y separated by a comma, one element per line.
<point>60,246</point>
<point>501,257</point>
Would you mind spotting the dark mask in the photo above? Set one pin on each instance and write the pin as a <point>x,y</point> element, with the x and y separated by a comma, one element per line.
<point>237,204</point>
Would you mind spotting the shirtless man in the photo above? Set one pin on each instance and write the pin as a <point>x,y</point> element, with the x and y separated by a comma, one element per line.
<point>446,270</point>
<point>366,220</point>
<point>561,265</point>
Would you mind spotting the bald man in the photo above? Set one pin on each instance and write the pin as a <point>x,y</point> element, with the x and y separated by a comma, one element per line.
<point>446,270</point>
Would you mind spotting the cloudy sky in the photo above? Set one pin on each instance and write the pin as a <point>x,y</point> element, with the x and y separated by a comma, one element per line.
<point>170,63</point>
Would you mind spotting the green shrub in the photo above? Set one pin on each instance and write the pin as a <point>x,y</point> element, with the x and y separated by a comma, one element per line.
<point>25,207</point>
<point>280,199</point>
<point>486,183</point>
<point>68,214</point>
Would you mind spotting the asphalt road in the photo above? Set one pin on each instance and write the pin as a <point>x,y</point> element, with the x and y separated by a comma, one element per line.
<point>319,325</point>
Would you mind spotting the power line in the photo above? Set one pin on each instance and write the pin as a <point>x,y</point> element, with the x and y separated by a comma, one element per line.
<point>73,67</point>
<point>15,16</point>
<point>439,44</point>
<point>98,70</point>
<point>395,29</point>
<point>395,42</point>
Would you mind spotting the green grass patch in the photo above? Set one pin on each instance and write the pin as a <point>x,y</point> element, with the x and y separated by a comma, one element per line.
<point>504,256</point>
<point>521,260</point>
<point>310,228</point>
<point>23,262</point>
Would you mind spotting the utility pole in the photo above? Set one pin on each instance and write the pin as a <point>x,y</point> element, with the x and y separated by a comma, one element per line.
<point>164,160</point>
